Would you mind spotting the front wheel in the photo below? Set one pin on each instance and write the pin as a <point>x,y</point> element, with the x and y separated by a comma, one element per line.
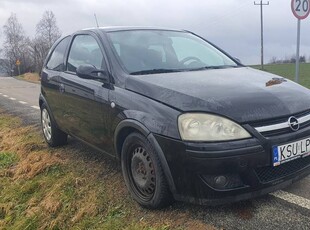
<point>143,173</point>
<point>52,135</point>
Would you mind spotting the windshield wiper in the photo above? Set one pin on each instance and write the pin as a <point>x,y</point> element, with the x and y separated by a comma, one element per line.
<point>154,71</point>
<point>214,67</point>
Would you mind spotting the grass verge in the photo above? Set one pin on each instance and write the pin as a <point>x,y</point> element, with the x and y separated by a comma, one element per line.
<point>288,71</point>
<point>63,188</point>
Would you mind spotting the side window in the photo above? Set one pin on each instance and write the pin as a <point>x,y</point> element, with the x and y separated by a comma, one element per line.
<point>117,47</point>
<point>84,50</point>
<point>56,61</point>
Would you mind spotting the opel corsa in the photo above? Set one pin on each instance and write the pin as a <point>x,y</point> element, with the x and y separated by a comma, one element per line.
<point>186,120</point>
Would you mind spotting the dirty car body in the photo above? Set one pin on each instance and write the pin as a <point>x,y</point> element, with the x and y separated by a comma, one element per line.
<point>217,131</point>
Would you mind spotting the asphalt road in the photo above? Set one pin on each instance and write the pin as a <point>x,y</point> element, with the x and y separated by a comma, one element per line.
<point>287,209</point>
<point>20,98</point>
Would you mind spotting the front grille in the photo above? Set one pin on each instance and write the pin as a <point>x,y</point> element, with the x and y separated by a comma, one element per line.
<point>277,132</point>
<point>268,174</point>
<point>281,120</point>
<point>284,131</point>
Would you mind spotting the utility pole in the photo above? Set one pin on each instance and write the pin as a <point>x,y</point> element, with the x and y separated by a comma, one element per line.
<point>261,4</point>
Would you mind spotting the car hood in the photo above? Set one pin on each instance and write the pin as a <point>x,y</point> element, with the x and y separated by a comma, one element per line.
<point>242,94</point>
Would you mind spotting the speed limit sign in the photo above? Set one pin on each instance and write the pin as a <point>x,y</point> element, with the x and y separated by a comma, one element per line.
<point>301,8</point>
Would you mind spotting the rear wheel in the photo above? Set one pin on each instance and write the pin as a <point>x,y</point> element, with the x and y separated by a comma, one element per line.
<point>52,135</point>
<point>143,173</point>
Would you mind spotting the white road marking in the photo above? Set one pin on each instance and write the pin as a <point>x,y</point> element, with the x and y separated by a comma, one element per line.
<point>12,98</point>
<point>293,199</point>
<point>23,102</point>
<point>35,107</point>
<point>5,95</point>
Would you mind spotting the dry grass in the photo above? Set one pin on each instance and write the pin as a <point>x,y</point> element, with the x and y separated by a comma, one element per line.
<point>63,188</point>
<point>31,77</point>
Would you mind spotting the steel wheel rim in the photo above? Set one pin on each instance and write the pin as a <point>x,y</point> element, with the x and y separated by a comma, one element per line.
<point>142,173</point>
<point>46,125</point>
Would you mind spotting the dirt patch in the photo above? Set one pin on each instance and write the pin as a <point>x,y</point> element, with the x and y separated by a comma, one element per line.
<point>244,210</point>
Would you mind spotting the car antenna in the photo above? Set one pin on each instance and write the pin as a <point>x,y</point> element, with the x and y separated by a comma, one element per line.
<point>96,20</point>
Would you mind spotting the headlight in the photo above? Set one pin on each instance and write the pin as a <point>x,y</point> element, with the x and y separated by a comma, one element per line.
<point>207,127</point>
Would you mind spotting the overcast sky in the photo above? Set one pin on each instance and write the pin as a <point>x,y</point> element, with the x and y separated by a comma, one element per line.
<point>234,25</point>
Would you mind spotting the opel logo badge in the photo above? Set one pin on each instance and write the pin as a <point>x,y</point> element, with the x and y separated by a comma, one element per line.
<point>293,123</point>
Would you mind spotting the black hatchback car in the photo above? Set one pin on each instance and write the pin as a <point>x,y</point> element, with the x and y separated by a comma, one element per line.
<point>186,120</point>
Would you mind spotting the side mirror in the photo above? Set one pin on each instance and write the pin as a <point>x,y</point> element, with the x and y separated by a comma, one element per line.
<point>91,72</point>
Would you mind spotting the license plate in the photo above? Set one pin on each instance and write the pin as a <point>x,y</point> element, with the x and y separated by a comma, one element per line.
<point>291,151</point>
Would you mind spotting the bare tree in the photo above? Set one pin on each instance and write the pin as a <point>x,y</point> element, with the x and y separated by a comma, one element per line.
<point>302,59</point>
<point>47,32</point>
<point>1,50</point>
<point>47,28</point>
<point>16,45</point>
<point>273,60</point>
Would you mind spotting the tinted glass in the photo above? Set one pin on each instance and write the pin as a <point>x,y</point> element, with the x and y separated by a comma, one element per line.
<point>191,50</point>
<point>143,50</point>
<point>84,50</point>
<point>56,61</point>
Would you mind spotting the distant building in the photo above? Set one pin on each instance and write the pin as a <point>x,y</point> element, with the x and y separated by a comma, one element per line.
<point>4,72</point>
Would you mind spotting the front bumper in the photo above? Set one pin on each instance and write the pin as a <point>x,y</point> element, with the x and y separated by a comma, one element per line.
<point>246,165</point>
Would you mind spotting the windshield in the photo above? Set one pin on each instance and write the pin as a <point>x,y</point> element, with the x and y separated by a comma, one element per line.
<point>156,51</point>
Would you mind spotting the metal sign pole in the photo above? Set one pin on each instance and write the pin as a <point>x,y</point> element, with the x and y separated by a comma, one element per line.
<point>297,51</point>
<point>262,34</point>
<point>301,10</point>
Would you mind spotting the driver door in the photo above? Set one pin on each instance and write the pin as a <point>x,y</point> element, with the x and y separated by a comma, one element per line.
<point>86,102</point>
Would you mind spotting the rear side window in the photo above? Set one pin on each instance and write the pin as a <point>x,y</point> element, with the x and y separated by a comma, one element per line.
<point>84,50</point>
<point>56,61</point>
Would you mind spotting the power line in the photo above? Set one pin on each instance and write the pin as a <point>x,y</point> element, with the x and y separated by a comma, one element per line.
<point>261,4</point>
<point>217,20</point>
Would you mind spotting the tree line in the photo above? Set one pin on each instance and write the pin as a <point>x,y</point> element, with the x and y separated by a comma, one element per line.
<point>286,60</point>
<point>30,53</point>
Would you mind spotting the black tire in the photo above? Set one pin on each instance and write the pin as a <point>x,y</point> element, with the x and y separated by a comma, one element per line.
<point>52,135</point>
<point>143,173</point>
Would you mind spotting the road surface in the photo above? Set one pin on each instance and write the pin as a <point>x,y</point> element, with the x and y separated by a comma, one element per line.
<point>287,209</point>
<point>20,98</point>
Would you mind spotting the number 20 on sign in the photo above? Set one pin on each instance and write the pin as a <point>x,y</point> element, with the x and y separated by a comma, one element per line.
<point>301,8</point>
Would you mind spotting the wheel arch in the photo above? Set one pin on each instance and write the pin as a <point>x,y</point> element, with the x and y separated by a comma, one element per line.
<point>123,129</point>
<point>128,126</point>
<point>42,101</point>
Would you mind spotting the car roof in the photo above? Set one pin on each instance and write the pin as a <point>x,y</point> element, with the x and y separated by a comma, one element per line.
<point>126,28</point>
